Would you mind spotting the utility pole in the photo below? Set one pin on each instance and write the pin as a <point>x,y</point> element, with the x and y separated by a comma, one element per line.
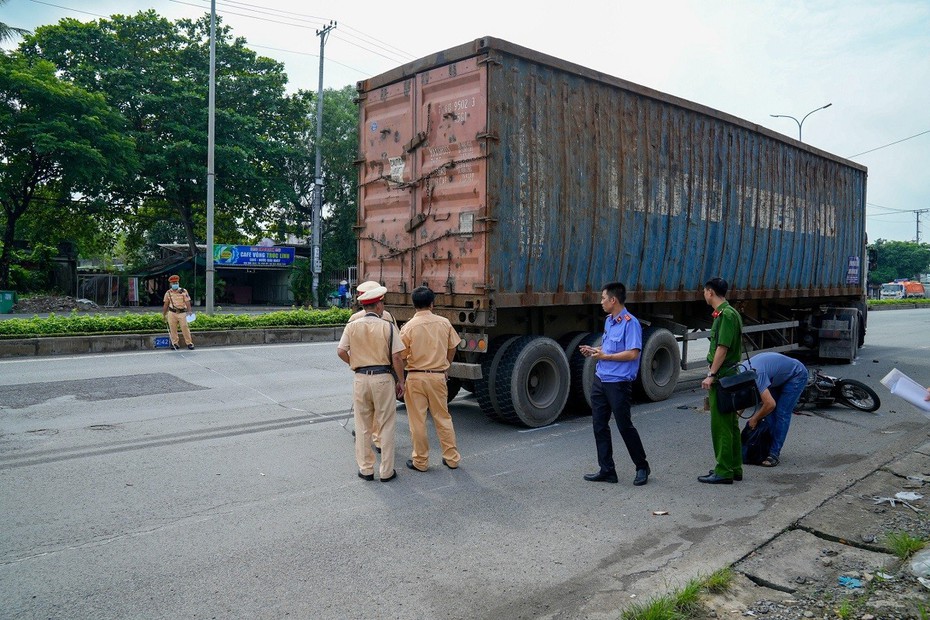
<point>318,176</point>
<point>211,141</point>
<point>917,214</point>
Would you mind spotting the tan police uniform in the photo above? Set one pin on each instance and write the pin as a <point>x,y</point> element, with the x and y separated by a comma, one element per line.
<point>374,400</point>
<point>178,303</point>
<point>385,316</point>
<point>428,338</point>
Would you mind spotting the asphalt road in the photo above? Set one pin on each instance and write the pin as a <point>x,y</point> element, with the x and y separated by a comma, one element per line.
<point>221,483</point>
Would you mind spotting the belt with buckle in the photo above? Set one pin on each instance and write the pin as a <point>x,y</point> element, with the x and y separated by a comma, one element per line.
<point>372,370</point>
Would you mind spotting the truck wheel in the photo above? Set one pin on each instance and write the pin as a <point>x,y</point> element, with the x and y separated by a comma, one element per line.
<point>485,386</point>
<point>579,393</point>
<point>453,385</point>
<point>659,365</point>
<point>532,381</point>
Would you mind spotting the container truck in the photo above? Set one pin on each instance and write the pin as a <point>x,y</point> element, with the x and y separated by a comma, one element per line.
<point>515,184</point>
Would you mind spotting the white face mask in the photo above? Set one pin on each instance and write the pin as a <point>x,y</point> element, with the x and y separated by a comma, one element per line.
<point>175,286</point>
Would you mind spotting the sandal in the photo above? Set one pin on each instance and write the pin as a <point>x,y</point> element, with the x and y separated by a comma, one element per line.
<point>770,461</point>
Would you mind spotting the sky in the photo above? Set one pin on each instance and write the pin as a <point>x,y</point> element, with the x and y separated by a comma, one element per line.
<point>752,59</point>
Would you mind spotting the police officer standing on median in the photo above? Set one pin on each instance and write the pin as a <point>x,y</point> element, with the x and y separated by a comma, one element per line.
<point>176,307</point>
<point>617,366</point>
<point>372,348</point>
<point>431,342</point>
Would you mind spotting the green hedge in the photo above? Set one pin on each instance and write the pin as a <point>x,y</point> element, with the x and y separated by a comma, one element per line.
<point>129,322</point>
<point>899,302</point>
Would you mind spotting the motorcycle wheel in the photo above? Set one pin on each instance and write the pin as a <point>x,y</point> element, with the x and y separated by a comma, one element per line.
<point>857,395</point>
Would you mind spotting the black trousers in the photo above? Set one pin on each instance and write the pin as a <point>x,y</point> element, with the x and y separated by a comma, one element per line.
<point>614,398</point>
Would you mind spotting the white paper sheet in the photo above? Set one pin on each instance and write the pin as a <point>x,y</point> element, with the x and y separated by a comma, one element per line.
<point>901,385</point>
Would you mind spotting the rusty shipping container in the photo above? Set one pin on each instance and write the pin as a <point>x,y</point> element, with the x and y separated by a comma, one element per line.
<point>515,184</point>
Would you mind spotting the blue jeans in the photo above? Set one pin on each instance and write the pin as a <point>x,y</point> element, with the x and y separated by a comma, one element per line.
<point>786,398</point>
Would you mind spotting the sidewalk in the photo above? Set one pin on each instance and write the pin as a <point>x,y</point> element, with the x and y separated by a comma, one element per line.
<point>837,561</point>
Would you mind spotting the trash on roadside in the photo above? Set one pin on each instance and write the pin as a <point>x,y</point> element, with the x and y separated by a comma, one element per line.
<point>850,582</point>
<point>909,496</point>
<point>924,582</point>
<point>659,513</point>
<point>892,501</point>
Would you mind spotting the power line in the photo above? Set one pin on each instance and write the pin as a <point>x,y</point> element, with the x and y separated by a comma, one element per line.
<point>288,15</point>
<point>58,6</point>
<point>278,49</point>
<point>303,16</point>
<point>878,148</point>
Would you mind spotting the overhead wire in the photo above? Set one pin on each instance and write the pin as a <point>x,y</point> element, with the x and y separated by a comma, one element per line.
<point>371,40</point>
<point>288,15</point>
<point>878,148</point>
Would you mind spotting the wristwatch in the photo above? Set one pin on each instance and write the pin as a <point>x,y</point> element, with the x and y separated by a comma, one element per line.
<point>711,374</point>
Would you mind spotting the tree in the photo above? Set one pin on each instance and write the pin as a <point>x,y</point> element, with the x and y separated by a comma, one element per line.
<point>899,259</point>
<point>56,141</point>
<point>9,33</point>
<point>156,72</point>
<point>340,190</point>
<point>340,180</point>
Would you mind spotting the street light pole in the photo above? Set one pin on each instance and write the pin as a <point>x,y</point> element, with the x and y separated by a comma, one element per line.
<point>800,122</point>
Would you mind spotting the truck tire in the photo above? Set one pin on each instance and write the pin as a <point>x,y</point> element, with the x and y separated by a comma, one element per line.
<point>579,366</point>
<point>659,365</point>
<point>532,381</point>
<point>485,386</point>
<point>453,385</point>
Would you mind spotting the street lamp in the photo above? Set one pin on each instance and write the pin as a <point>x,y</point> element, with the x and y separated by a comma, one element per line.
<point>800,122</point>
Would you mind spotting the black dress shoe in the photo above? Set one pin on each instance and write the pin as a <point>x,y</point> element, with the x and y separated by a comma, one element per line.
<point>446,463</point>
<point>642,477</point>
<point>738,477</point>
<point>602,477</point>
<point>713,478</point>
<point>366,476</point>
<point>378,449</point>
<point>410,465</point>
<point>391,477</point>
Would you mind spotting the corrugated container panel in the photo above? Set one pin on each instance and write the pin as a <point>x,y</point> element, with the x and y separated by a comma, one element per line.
<point>536,181</point>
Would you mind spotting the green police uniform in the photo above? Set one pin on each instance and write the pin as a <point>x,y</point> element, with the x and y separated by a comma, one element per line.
<point>726,331</point>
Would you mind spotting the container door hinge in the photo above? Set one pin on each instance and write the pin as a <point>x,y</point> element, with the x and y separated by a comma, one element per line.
<point>488,136</point>
<point>416,141</point>
<point>415,222</point>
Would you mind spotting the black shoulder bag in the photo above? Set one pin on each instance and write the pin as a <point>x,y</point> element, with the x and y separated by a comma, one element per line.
<point>739,391</point>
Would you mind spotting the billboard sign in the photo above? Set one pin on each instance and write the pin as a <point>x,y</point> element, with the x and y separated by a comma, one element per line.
<point>252,256</point>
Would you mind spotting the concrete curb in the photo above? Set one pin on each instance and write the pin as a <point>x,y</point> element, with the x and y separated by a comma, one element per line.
<point>898,307</point>
<point>112,343</point>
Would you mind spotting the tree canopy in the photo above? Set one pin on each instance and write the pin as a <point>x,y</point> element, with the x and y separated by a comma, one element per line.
<point>156,74</point>
<point>899,259</point>
<point>57,140</point>
<point>121,127</point>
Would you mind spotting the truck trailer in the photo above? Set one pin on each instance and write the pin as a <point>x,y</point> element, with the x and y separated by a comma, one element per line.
<point>515,185</point>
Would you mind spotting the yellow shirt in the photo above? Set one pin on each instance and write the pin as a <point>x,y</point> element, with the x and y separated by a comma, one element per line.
<point>367,339</point>
<point>177,299</point>
<point>428,338</point>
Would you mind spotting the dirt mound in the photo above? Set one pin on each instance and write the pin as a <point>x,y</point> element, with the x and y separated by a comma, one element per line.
<point>51,303</point>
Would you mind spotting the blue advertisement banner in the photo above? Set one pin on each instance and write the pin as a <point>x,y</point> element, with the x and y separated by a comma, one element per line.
<point>252,256</point>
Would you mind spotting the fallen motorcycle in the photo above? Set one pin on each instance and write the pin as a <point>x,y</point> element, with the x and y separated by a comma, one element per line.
<point>823,391</point>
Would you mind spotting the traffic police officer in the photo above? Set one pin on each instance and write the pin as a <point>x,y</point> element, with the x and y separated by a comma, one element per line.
<point>372,348</point>
<point>430,342</point>
<point>176,307</point>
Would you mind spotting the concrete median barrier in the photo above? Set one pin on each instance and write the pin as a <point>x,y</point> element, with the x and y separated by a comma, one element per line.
<point>113,343</point>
